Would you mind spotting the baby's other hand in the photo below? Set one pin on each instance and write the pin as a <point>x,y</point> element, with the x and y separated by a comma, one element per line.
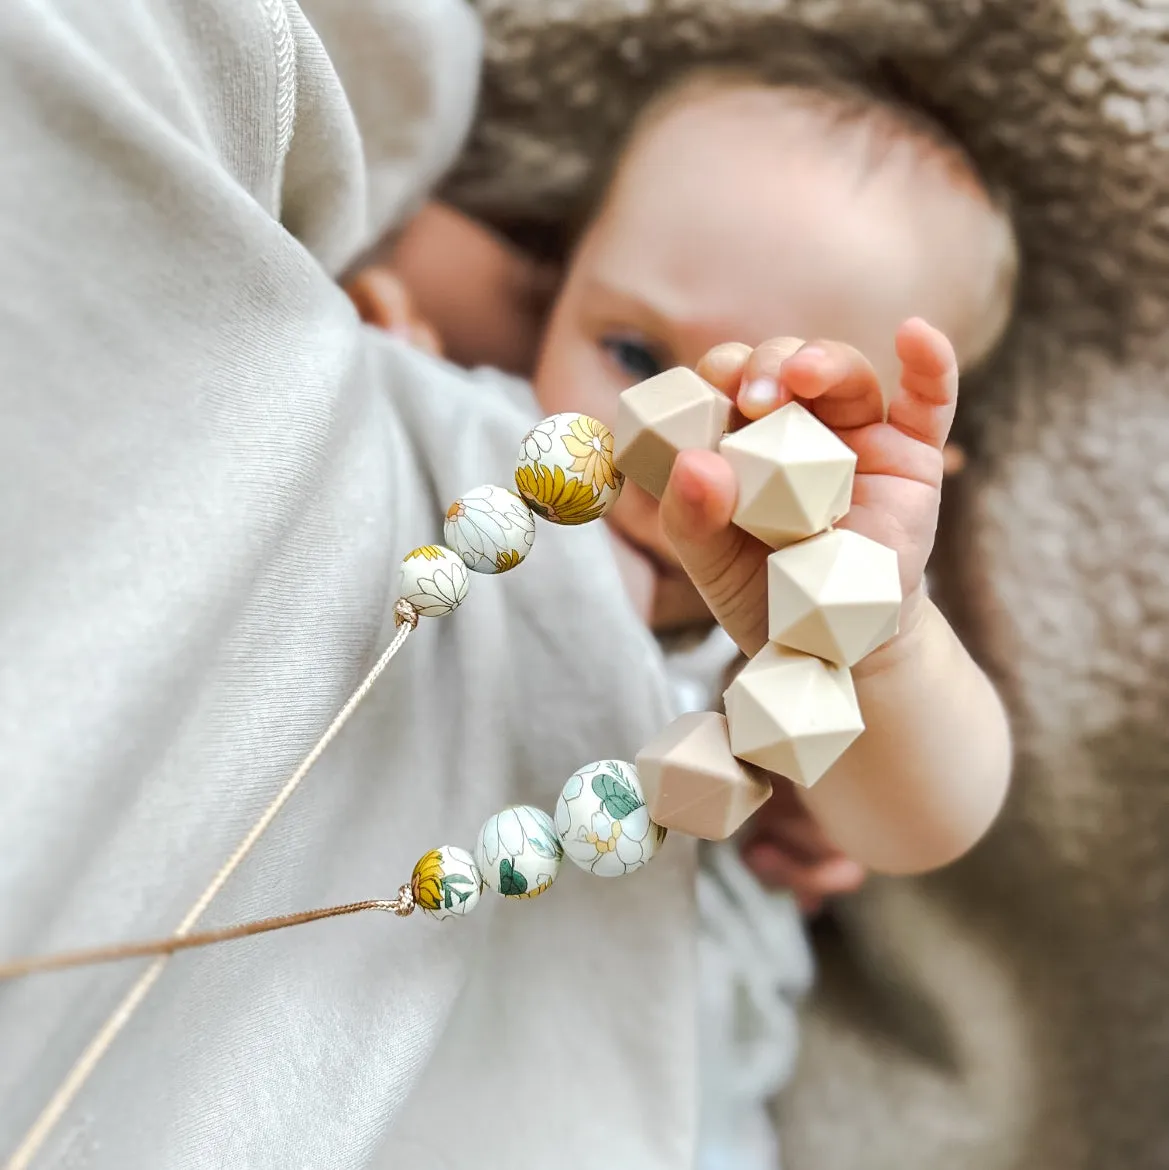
<point>382,300</point>
<point>899,469</point>
<point>486,298</point>
<point>786,848</point>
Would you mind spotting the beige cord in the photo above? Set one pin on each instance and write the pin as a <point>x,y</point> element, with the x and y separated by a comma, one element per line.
<point>402,905</point>
<point>407,619</point>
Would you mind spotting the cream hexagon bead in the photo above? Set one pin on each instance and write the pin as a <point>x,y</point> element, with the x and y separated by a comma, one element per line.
<point>794,475</point>
<point>792,714</point>
<point>836,595</point>
<point>656,419</point>
<point>692,781</point>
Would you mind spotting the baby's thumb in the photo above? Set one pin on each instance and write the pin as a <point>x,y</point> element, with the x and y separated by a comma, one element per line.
<point>725,563</point>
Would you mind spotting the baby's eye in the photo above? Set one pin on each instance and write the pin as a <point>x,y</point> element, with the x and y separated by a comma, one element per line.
<point>635,357</point>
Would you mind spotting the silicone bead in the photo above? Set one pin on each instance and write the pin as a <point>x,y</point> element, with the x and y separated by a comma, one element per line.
<point>491,528</point>
<point>795,476</point>
<point>792,714</point>
<point>433,580</point>
<point>603,821</point>
<point>672,412</point>
<point>692,782</point>
<point>565,469</point>
<point>446,882</point>
<point>518,852</point>
<point>837,595</point>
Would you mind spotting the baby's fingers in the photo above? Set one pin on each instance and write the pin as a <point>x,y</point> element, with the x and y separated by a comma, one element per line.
<point>759,389</point>
<point>724,562</point>
<point>723,366</point>
<point>923,407</point>
<point>835,381</point>
<point>811,881</point>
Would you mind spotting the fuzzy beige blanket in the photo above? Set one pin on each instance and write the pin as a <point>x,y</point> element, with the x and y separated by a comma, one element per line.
<point>1011,1013</point>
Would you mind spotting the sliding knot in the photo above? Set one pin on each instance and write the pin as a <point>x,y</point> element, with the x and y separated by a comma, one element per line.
<point>405,614</point>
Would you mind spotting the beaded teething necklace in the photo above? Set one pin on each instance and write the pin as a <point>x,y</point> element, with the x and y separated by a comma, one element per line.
<point>833,596</point>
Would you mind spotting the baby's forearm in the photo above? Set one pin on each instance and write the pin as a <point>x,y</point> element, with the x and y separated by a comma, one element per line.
<point>930,772</point>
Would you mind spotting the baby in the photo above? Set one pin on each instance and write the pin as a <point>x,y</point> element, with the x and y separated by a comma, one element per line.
<point>736,210</point>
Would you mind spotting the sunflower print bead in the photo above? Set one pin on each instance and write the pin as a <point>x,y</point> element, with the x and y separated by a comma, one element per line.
<point>518,852</point>
<point>434,580</point>
<point>565,469</point>
<point>602,819</point>
<point>446,882</point>
<point>491,528</point>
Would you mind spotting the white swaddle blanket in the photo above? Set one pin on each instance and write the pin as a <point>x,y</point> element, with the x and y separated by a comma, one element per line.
<point>754,965</point>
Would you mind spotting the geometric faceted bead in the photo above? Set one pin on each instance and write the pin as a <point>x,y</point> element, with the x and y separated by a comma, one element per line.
<point>656,419</point>
<point>794,475</point>
<point>791,713</point>
<point>836,595</point>
<point>692,782</point>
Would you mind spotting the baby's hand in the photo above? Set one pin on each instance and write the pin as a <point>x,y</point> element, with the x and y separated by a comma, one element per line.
<point>382,299</point>
<point>899,468</point>
<point>785,847</point>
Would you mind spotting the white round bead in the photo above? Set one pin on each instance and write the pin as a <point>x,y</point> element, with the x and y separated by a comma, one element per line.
<point>565,469</point>
<point>491,528</point>
<point>603,821</point>
<point>446,882</point>
<point>433,580</point>
<point>518,852</point>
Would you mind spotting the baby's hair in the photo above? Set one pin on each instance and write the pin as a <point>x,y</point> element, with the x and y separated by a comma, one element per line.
<point>884,124</point>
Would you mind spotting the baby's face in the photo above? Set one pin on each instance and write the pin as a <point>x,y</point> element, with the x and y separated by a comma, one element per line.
<point>730,220</point>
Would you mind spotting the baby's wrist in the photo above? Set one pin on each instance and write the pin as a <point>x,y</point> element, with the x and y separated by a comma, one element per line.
<point>910,627</point>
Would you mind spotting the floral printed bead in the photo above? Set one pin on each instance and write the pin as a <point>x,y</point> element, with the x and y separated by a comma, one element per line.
<point>565,469</point>
<point>446,882</point>
<point>491,528</point>
<point>518,852</point>
<point>603,821</point>
<point>433,580</point>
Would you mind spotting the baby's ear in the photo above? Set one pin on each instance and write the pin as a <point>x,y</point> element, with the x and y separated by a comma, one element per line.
<point>379,297</point>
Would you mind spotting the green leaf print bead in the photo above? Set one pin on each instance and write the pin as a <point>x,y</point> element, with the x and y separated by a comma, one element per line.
<point>603,821</point>
<point>519,852</point>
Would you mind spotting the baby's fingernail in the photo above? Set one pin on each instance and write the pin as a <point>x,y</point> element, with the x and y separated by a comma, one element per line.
<point>758,396</point>
<point>815,352</point>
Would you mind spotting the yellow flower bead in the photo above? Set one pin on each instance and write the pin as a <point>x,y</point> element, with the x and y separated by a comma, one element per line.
<point>434,580</point>
<point>446,882</point>
<point>565,469</point>
<point>491,528</point>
